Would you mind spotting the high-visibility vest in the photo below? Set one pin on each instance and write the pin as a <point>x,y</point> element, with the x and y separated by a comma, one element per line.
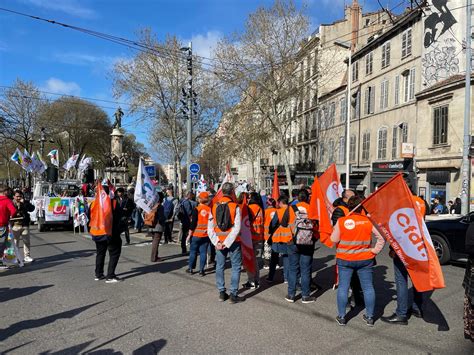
<point>257,221</point>
<point>232,207</point>
<point>420,203</point>
<point>344,209</point>
<point>269,212</point>
<point>284,234</point>
<point>356,237</point>
<point>203,217</point>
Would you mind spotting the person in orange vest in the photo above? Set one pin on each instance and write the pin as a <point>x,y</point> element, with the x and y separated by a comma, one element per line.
<point>267,248</point>
<point>198,234</point>
<point>353,237</point>
<point>256,218</point>
<point>280,235</point>
<point>223,229</point>
<point>301,250</point>
<point>402,312</point>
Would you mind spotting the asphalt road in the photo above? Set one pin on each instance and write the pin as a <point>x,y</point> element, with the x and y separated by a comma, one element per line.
<point>54,306</point>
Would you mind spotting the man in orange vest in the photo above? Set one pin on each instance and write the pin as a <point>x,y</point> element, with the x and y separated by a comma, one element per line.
<point>281,226</point>
<point>354,253</point>
<point>198,234</point>
<point>256,218</point>
<point>223,229</point>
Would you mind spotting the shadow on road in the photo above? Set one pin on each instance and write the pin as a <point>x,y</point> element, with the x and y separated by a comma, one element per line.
<point>7,293</point>
<point>432,314</point>
<point>36,323</point>
<point>55,243</point>
<point>162,267</point>
<point>151,348</point>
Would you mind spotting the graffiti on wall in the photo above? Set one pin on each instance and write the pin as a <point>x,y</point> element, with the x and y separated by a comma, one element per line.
<point>440,58</point>
<point>440,62</point>
<point>438,22</point>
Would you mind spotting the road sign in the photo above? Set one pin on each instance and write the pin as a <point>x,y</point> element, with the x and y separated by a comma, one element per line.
<point>194,177</point>
<point>150,169</point>
<point>194,168</point>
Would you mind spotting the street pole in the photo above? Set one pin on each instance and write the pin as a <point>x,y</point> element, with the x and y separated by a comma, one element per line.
<point>348,118</point>
<point>190,119</point>
<point>42,140</point>
<point>467,118</point>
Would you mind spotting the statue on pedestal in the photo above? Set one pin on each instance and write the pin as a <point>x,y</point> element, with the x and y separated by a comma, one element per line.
<point>118,118</point>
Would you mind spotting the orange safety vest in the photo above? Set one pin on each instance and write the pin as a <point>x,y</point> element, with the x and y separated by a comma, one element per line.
<point>344,209</point>
<point>203,217</point>
<point>269,212</point>
<point>232,207</point>
<point>420,203</point>
<point>257,221</point>
<point>284,234</point>
<point>356,237</point>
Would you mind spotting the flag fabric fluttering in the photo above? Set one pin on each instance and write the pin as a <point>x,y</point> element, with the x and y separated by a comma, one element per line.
<point>331,187</point>
<point>248,258</point>
<point>276,187</point>
<point>318,211</point>
<point>84,163</point>
<point>146,195</point>
<point>27,162</point>
<point>202,185</point>
<point>44,166</point>
<point>392,210</point>
<point>71,162</point>
<point>17,157</point>
<point>54,157</point>
<point>101,213</point>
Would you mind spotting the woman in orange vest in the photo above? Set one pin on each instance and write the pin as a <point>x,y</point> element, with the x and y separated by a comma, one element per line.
<point>353,236</point>
<point>256,217</point>
<point>198,234</point>
<point>282,224</point>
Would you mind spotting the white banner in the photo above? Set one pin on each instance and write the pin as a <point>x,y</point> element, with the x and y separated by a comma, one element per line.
<point>57,209</point>
<point>145,194</point>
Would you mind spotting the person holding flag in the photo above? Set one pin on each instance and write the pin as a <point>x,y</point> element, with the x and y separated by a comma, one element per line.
<point>54,156</point>
<point>223,229</point>
<point>353,237</point>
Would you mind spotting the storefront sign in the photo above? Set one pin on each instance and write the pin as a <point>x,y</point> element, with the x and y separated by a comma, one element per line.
<point>408,150</point>
<point>393,166</point>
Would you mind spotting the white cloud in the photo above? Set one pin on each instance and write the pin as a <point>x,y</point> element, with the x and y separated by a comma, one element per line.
<point>76,58</point>
<point>204,45</point>
<point>61,87</point>
<point>70,7</point>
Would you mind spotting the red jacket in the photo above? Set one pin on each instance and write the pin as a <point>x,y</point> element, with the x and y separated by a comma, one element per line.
<point>7,210</point>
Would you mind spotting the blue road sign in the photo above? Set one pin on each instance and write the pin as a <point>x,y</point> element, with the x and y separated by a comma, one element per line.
<point>194,177</point>
<point>194,168</point>
<point>150,169</point>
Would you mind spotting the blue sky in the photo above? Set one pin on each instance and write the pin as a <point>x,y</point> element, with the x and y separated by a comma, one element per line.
<point>63,61</point>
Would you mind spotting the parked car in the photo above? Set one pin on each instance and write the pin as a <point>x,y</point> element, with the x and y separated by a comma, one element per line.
<point>448,233</point>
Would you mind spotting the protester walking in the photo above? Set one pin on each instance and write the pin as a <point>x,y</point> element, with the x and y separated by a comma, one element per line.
<point>198,235</point>
<point>21,225</point>
<point>170,206</point>
<point>7,211</point>
<point>256,218</point>
<point>126,205</point>
<point>185,211</point>
<point>156,220</point>
<point>353,236</point>
<point>223,230</point>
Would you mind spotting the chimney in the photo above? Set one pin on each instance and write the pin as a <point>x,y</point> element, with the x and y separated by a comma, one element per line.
<point>355,10</point>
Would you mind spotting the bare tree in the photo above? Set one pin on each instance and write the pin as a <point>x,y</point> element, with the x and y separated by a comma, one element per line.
<point>261,62</point>
<point>153,80</point>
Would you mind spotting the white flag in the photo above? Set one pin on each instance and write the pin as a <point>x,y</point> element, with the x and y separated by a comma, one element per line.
<point>84,163</point>
<point>145,194</point>
<point>54,157</point>
<point>71,162</point>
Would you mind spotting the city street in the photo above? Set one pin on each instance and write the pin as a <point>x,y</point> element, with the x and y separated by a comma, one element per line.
<point>54,306</point>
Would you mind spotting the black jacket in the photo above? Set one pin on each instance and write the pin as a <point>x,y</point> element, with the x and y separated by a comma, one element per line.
<point>23,209</point>
<point>338,212</point>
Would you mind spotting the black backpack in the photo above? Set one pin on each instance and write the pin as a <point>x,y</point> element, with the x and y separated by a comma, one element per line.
<point>223,219</point>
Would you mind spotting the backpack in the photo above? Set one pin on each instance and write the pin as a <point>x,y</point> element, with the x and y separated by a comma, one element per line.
<point>304,228</point>
<point>169,208</point>
<point>149,219</point>
<point>223,218</point>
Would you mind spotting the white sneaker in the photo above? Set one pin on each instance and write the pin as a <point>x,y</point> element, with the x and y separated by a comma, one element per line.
<point>28,259</point>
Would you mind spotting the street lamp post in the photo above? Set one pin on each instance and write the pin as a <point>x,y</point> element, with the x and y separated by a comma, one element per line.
<point>189,125</point>
<point>347,45</point>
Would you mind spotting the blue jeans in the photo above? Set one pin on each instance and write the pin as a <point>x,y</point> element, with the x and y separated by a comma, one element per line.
<point>401,282</point>
<point>299,264</point>
<point>364,269</point>
<point>277,249</point>
<point>235,254</point>
<point>137,218</point>
<point>198,244</point>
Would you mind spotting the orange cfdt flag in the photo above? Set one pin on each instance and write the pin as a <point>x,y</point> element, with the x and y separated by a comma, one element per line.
<point>330,186</point>
<point>276,187</point>
<point>318,211</point>
<point>248,258</point>
<point>393,211</point>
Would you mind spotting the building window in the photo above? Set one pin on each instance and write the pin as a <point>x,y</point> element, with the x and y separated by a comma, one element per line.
<point>386,55</point>
<point>394,142</point>
<point>406,43</point>
<point>352,146</point>
<point>382,144</point>
<point>331,151</point>
<point>321,153</point>
<point>343,104</point>
<point>440,133</point>
<point>366,146</point>
<point>369,103</point>
<point>409,85</point>
<point>342,149</point>
<point>404,128</point>
<point>355,71</point>
<point>397,90</point>
<point>369,63</point>
<point>331,115</point>
<point>384,95</point>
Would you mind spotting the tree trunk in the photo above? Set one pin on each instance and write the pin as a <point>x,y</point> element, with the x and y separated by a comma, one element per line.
<point>9,173</point>
<point>252,174</point>
<point>287,166</point>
